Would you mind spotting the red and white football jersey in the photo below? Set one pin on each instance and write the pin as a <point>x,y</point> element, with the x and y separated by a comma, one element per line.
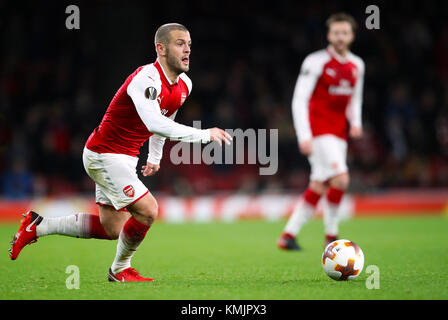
<point>328,92</point>
<point>144,108</point>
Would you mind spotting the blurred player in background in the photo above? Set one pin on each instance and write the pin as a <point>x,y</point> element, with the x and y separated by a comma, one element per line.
<point>143,108</point>
<point>328,92</point>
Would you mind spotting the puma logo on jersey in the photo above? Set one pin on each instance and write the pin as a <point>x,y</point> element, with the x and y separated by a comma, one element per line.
<point>330,72</point>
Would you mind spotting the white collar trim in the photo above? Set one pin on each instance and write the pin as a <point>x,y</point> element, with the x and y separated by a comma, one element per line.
<point>169,81</point>
<point>336,55</point>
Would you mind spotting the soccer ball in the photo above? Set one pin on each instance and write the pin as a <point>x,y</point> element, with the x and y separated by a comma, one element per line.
<point>342,260</point>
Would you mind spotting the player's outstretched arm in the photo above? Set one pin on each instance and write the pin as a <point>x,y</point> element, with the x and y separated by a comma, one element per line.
<point>216,134</point>
<point>157,142</point>
<point>155,146</point>
<point>149,112</point>
<point>143,91</point>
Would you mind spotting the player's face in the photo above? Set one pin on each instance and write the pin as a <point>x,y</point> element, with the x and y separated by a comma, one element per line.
<point>178,51</point>
<point>340,35</point>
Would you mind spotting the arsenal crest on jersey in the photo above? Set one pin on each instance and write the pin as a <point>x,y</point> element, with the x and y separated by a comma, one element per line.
<point>129,191</point>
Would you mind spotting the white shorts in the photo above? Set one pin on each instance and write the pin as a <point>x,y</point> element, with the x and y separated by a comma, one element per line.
<point>328,158</point>
<point>115,176</point>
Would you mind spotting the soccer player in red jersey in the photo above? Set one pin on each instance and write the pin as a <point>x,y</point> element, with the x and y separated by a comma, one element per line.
<point>143,108</point>
<point>326,111</point>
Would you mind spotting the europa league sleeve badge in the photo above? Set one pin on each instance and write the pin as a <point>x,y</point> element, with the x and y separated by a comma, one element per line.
<point>151,93</point>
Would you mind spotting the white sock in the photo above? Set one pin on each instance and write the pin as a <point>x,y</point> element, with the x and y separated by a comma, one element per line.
<point>76,225</point>
<point>302,214</point>
<point>125,251</point>
<point>130,237</point>
<point>331,219</point>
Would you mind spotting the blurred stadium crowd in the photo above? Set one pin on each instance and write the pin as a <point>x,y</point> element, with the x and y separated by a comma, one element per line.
<point>56,85</point>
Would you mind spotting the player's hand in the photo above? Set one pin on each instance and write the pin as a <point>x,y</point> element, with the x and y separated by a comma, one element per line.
<point>306,147</point>
<point>355,132</point>
<point>150,169</point>
<point>219,136</point>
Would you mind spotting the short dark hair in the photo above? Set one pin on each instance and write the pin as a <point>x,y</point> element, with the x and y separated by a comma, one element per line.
<point>163,33</point>
<point>342,17</point>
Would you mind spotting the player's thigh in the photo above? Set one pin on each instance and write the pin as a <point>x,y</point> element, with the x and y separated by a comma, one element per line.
<point>330,151</point>
<point>328,158</point>
<point>145,210</point>
<point>112,220</point>
<point>340,181</point>
<point>116,180</point>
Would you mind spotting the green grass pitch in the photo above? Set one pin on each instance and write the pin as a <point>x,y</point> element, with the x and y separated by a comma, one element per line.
<point>236,261</point>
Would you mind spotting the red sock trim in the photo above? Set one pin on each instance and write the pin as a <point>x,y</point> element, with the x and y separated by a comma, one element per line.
<point>96,229</point>
<point>334,196</point>
<point>134,229</point>
<point>311,197</point>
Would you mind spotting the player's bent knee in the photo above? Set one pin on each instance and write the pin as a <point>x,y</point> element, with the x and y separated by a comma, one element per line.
<point>153,211</point>
<point>149,214</point>
<point>146,209</point>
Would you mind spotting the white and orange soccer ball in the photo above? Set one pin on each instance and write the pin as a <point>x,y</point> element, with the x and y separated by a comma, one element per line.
<point>342,260</point>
